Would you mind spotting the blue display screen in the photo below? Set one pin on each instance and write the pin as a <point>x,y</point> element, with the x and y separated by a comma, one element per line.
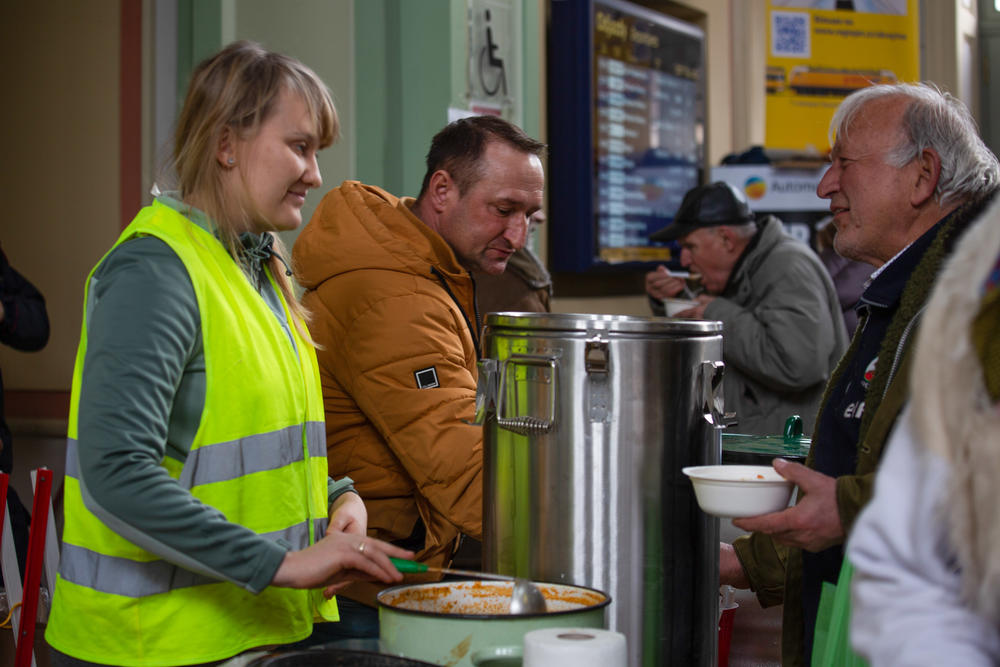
<point>638,94</point>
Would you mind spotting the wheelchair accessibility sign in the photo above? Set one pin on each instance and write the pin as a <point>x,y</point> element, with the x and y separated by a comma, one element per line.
<point>494,45</point>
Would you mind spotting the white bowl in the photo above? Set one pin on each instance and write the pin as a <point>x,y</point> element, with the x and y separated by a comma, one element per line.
<point>732,491</point>
<point>674,306</point>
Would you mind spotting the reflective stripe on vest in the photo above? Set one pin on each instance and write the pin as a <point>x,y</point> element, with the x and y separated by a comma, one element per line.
<point>229,460</point>
<point>130,578</point>
<point>261,437</point>
<point>134,579</point>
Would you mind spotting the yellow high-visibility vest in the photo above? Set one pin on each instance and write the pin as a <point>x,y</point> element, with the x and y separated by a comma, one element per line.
<point>259,457</point>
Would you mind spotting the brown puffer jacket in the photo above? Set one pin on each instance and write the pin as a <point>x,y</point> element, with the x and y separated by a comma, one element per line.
<point>390,302</point>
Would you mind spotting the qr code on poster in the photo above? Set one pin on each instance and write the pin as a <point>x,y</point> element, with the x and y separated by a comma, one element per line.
<point>790,34</point>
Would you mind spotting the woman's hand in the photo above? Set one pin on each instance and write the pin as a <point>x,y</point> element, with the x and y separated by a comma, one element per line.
<point>338,559</point>
<point>349,515</point>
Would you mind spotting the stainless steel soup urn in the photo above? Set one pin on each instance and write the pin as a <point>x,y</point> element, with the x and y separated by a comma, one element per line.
<point>588,420</point>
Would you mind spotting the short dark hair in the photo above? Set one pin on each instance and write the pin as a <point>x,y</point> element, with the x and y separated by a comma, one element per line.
<point>459,147</point>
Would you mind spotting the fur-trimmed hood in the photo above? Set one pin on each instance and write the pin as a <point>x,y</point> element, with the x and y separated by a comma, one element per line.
<point>954,413</point>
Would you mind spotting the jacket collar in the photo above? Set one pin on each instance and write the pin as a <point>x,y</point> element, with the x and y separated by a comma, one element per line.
<point>886,287</point>
<point>768,232</point>
<point>253,249</point>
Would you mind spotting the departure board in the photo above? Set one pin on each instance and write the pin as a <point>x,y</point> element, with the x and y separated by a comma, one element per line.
<point>644,115</point>
<point>648,129</point>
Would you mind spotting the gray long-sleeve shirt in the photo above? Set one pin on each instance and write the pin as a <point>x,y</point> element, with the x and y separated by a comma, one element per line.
<point>142,394</point>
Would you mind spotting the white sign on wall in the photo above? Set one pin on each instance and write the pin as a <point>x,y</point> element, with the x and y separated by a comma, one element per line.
<point>495,58</point>
<point>771,189</point>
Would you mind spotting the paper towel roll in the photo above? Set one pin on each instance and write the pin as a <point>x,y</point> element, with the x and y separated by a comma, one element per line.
<point>585,647</point>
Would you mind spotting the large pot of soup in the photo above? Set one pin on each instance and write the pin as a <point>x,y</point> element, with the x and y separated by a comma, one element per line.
<point>588,422</point>
<point>467,623</point>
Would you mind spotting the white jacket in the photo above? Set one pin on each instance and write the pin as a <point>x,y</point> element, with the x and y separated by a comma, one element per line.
<point>906,594</point>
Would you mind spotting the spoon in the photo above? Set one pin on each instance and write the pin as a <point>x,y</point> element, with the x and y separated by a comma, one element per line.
<point>686,292</point>
<point>525,598</point>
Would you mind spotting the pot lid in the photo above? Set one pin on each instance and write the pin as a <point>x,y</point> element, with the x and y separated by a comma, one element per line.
<point>585,322</point>
<point>791,443</point>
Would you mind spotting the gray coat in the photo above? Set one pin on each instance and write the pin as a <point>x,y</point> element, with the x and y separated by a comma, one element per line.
<point>783,332</point>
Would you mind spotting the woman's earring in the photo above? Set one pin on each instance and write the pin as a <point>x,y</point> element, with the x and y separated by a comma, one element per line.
<point>231,161</point>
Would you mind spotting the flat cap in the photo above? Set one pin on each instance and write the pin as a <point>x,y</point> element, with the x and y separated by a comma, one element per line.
<point>707,206</point>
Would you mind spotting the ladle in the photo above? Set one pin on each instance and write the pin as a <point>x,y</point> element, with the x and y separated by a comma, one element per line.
<point>524,599</point>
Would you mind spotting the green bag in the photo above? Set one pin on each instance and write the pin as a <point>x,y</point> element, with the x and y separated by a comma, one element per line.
<point>832,640</point>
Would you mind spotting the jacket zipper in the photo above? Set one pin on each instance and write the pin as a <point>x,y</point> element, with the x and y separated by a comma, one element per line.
<point>901,348</point>
<point>444,283</point>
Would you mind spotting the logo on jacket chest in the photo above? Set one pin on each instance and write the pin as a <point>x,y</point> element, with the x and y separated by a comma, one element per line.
<point>869,373</point>
<point>427,378</point>
<point>855,409</point>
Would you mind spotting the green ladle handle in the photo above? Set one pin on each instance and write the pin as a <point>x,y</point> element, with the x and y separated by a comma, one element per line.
<point>408,566</point>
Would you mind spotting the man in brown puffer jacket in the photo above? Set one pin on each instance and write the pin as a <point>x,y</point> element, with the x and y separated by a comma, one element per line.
<point>388,283</point>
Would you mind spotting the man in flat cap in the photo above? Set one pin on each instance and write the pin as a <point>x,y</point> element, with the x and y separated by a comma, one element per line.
<point>783,332</point>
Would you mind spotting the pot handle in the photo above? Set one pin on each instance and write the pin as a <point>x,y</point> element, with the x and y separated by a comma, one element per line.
<point>508,415</point>
<point>713,403</point>
<point>497,656</point>
<point>487,386</point>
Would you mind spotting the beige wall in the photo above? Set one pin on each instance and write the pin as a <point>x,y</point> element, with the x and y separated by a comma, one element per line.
<point>60,178</point>
<point>720,76</point>
<point>59,188</point>
<point>949,48</point>
<point>320,33</point>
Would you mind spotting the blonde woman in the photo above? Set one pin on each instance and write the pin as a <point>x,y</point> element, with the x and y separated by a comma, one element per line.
<point>196,493</point>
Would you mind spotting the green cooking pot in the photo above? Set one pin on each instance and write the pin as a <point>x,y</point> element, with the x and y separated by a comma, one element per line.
<point>466,624</point>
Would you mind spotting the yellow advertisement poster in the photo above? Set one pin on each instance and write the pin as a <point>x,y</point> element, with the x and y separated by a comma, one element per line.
<point>819,51</point>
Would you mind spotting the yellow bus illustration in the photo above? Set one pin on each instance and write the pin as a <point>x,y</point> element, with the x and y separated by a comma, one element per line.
<point>806,80</point>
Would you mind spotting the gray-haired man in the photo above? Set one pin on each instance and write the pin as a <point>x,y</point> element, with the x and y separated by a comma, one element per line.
<point>909,174</point>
